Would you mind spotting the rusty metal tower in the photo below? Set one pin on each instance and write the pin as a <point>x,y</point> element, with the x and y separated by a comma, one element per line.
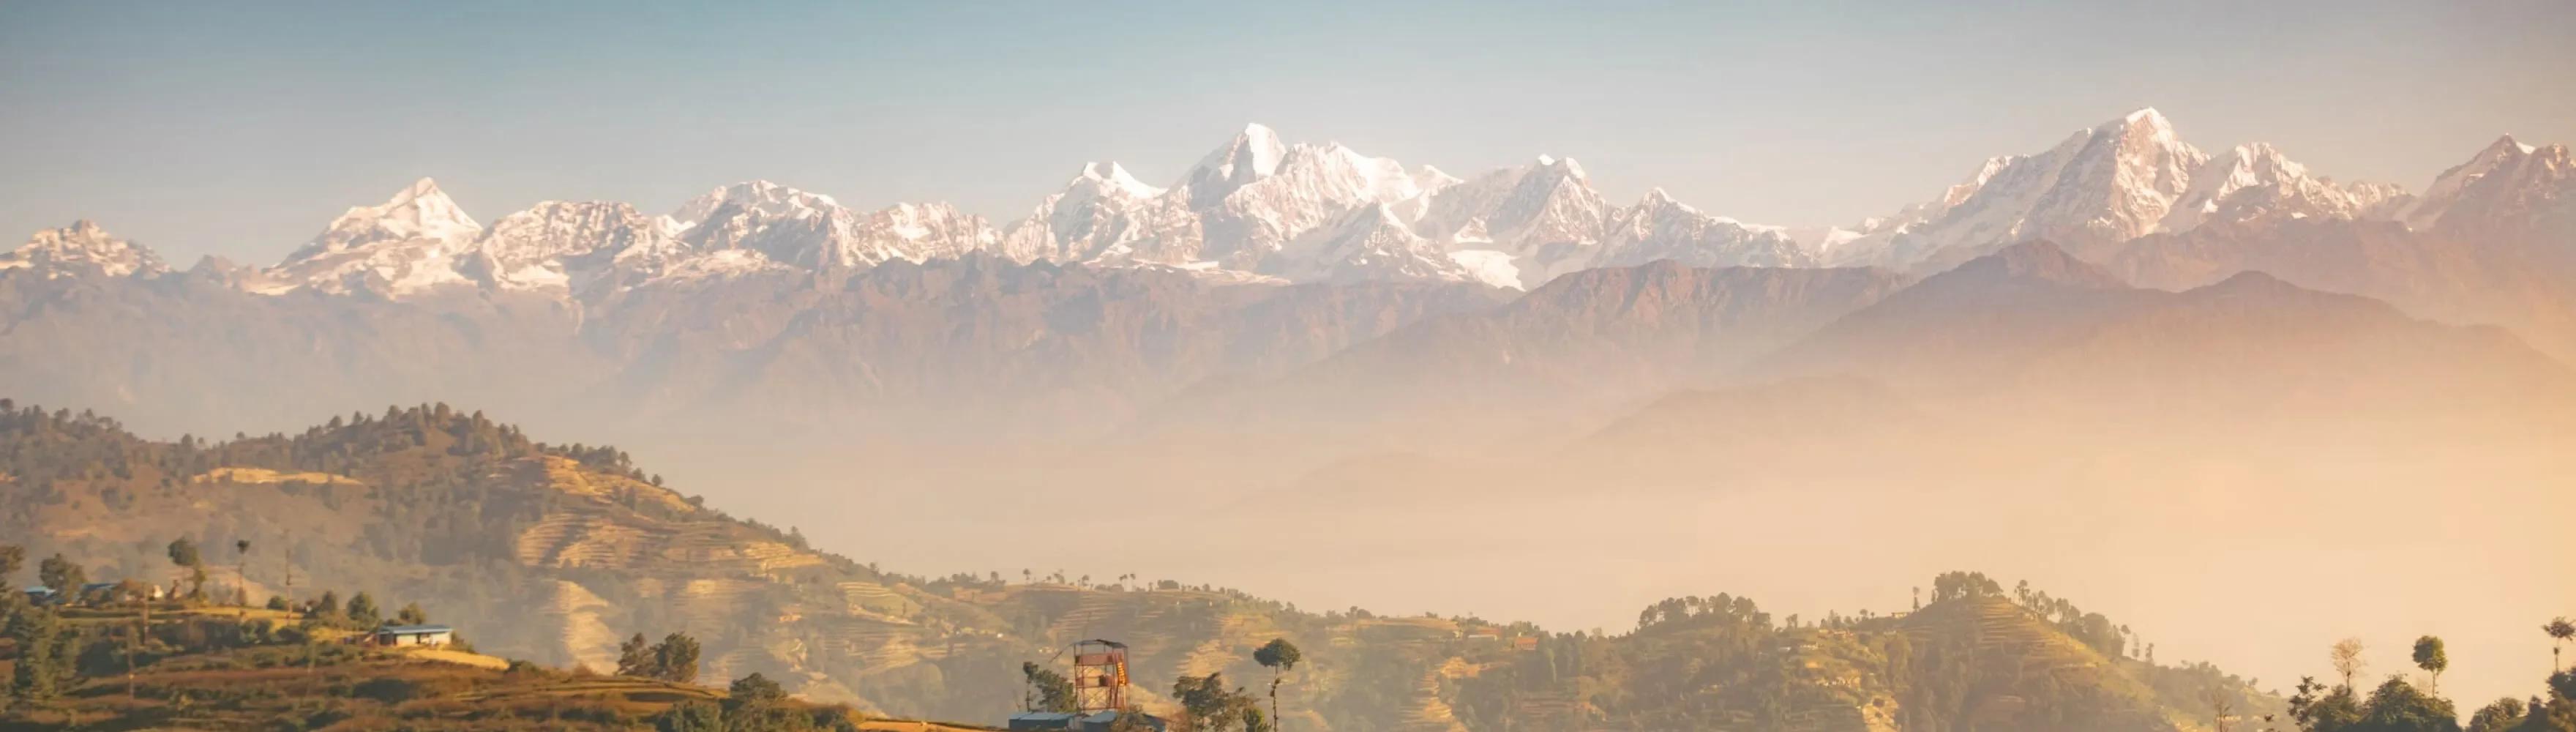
<point>1100,676</point>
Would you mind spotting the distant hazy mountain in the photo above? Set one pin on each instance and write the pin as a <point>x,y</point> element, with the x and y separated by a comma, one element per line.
<point>1587,343</point>
<point>972,343</point>
<point>977,343</point>
<point>2032,323</point>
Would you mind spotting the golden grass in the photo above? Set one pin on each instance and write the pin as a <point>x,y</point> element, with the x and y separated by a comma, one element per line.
<point>465,658</point>
<point>264,476</point>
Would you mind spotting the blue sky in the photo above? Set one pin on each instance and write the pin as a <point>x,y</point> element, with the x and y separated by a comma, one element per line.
<point>241,130</point>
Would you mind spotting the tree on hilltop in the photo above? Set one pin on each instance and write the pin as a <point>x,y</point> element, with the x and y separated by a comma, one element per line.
<point>2347,659</point>
<point>635,657</point>
<point>1280,656</point>
<point>2430,657</point>
<point>2559,630</point>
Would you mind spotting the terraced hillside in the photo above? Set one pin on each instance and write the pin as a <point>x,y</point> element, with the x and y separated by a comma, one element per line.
<point>555,553</point>
<point>275,681</point>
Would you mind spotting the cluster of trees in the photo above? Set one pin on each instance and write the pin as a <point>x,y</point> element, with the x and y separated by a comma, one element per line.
<point>1957,585</point>
<point>2398,705</point>
<point>2094,629</point>
<point>360,613</point>
<point>752,704</point>
<point>60,445</point>
<point>673,659</point>
<point>1702,662</point>
<point>1723,607</point>
<point>1044,690</point>
<point>48,653</point>
<point>435,509</point>
<point>1208,706</point>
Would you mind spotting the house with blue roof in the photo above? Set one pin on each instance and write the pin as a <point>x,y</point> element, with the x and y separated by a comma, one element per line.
<point>1093,722</point>
<point>427,636</point>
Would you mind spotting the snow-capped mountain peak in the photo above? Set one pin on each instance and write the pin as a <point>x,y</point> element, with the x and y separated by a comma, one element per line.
<point>2448,187</point>
<point>758,197</point>
<point>2115,181</point>
<point>1096,210</point>
<point>1661,228</point>
<point>2500,192</point>
<point>1253,154</point>
<point>82,249</point>
<point>2255,180</point>
<point>793,227</point>
<point>2111,181</point>
<point>919,231</point>
<point>418,211</point>
<point>569,244</point>
<point>407,244</point>
<point>1116,178</point>
<point>1564,167</point>
<point>1368,242</point>
<point>2149,121</point>
<point>1657,198</point>
<point>1343,175</point>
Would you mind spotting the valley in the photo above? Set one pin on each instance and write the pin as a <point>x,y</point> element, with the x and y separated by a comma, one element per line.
<point>2213,391</point>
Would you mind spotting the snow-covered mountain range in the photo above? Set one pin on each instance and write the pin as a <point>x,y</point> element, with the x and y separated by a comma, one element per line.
<point>1259,208</point>
<point>2123,179</point>
<point>82,249</point>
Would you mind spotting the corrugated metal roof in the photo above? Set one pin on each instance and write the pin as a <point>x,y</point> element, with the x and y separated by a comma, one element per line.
<point>412,629</point>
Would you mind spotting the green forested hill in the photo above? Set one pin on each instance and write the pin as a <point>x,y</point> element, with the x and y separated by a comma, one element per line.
<point>554,553</point>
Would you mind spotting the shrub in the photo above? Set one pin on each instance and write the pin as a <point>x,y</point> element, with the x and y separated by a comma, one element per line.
<point>385,689</point>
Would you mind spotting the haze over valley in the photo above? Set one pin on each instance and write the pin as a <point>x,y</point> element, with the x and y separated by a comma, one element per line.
<point>1448,429</point>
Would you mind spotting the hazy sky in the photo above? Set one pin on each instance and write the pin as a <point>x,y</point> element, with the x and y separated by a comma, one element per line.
<point>209,128</point>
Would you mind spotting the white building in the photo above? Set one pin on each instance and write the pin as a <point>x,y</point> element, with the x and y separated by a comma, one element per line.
<point>431,636</point>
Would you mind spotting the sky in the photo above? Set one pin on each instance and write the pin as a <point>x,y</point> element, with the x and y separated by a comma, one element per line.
<point>242,129</point>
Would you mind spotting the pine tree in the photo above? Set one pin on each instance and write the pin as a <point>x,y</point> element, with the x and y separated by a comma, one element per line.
<point>37,675</point>
<point>362,611</point>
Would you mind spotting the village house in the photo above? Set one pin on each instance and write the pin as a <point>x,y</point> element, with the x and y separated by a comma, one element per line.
<point>430,636</point>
